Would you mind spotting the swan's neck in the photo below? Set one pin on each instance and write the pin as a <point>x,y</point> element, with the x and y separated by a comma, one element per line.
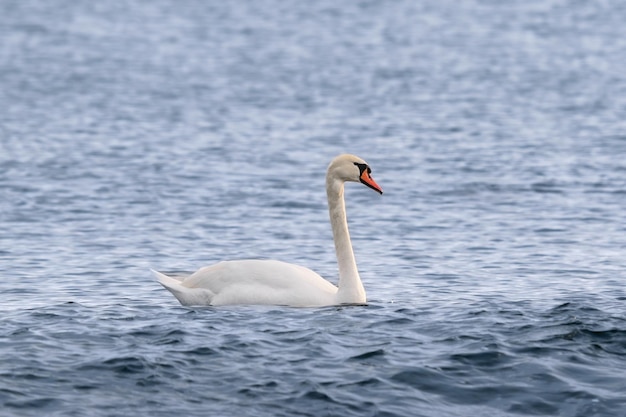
<point>351,289</point>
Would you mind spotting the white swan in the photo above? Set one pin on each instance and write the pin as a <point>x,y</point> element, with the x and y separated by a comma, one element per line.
<point>279,283</point>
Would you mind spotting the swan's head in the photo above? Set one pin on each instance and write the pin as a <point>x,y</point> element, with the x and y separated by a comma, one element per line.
<point>348,167</point>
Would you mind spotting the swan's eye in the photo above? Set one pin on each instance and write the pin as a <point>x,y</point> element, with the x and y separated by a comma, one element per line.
<point>363,168</point>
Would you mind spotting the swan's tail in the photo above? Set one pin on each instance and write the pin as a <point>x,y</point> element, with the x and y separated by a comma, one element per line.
<point>185,295</point>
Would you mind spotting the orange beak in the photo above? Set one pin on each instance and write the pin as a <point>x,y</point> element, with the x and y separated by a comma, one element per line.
<point>367,179</point>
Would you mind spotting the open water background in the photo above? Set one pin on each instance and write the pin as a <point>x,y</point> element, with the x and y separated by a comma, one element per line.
<point>173,134</point>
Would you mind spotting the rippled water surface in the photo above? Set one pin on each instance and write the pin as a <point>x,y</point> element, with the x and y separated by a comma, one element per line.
<point>173,134</point>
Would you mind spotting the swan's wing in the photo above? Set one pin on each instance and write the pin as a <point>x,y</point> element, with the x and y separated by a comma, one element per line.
<point>261,282</point>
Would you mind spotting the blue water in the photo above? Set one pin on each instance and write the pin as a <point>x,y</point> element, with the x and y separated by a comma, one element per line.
<point>174,134</point>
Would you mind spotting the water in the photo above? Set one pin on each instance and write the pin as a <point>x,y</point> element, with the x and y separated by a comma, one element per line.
<point>171,135</point>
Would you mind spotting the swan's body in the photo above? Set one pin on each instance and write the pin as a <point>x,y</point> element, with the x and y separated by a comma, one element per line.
<point>280,283</point>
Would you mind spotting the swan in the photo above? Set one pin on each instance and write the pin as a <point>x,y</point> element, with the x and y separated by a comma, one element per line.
<point>271,282</point>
